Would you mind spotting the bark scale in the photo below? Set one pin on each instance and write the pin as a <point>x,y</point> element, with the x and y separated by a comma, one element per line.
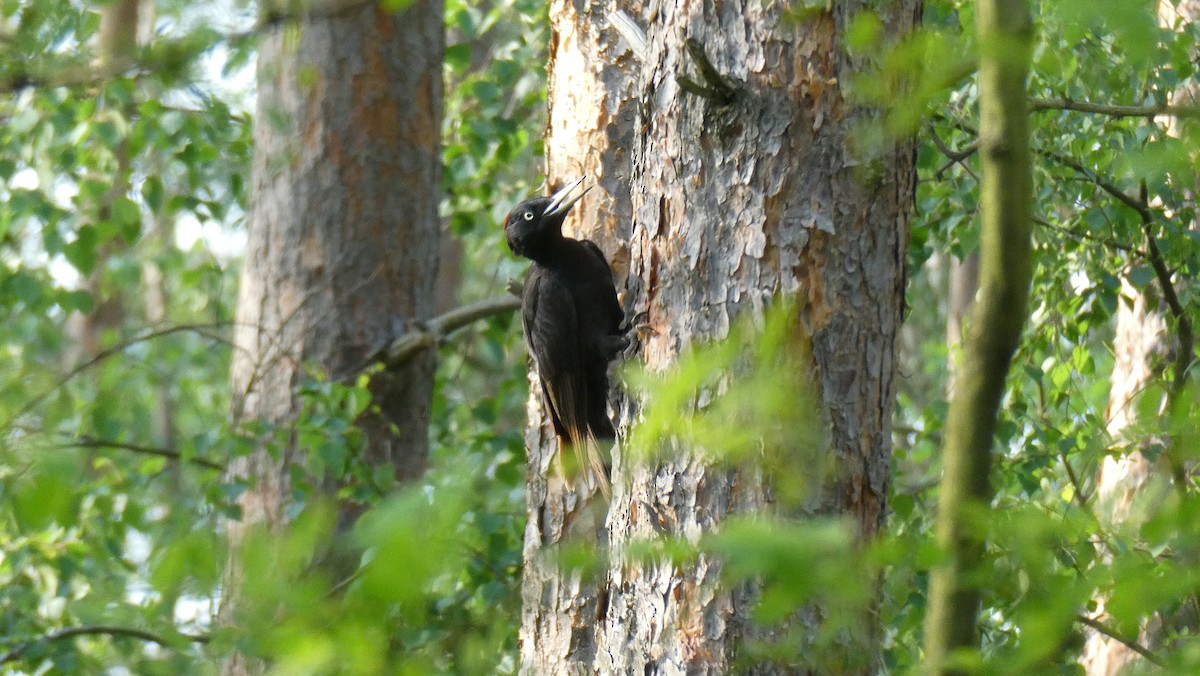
<point>718,209</point>
<point>343,242</point>
<point>1006,266</point>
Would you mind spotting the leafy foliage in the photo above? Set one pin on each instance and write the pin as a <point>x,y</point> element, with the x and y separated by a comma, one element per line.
<point>122,199</point>
<point>124,194</point>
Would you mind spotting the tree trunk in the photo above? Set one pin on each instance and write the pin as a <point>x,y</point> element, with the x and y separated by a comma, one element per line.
<point>964,282</point>
<point>718,209</point>
<point>116,46</point>
<point>1141,339</point>
<point>1004,34</point>
<point>343,243</point>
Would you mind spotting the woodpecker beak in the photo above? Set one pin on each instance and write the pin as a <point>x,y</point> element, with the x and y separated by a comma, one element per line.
<point>559,204</point>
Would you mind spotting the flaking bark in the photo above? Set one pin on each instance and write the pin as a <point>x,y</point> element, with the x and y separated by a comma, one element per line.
<point>709,211</point>
<point>343,240</point>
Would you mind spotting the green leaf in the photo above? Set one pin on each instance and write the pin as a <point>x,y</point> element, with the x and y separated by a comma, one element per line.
<point>75,301</point>
<point>458,56</point>
<point>1141,276</point>
<point>81,252</point>
<point>43,499</point>
<point>128,218</point>
<point>152,192</point>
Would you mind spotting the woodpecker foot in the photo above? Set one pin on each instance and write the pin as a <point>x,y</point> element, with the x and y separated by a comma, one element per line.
<point>635,338</point>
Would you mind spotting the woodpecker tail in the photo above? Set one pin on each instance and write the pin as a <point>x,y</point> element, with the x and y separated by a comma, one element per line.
<point>589,463</point>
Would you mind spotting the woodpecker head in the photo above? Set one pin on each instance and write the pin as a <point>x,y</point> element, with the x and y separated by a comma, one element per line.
<point>534,223</point>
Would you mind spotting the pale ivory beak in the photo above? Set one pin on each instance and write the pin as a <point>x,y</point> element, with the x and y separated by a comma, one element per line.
<point>559,204</point>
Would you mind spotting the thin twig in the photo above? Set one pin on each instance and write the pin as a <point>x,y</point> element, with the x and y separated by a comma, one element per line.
<point>170,454</point>
<point>105,354</point>
<point>1187,340</point>
<point>1080,497</point>
<point>1113,110</point>
<point>18,650</point>
<point>1140,206</point>
<point>954,156</point>
<point>1112,633</point>
<point>1106,241</point>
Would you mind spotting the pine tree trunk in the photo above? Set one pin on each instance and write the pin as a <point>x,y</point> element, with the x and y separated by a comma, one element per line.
<point>708,212</point>
<point>343,243</point>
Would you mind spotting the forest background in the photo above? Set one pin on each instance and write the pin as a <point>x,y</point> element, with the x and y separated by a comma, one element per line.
<point>125,162</point>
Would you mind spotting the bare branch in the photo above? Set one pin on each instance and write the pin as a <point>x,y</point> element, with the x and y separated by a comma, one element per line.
<point>1112,633</point>
<point>1114,110</point>
<point>1076,485</point>
<point>34,402</point>
<point>17,651</point>
<point>1187,340</point>
<point>950,153</point>
<point>1087,236</point>
<point>170,454</point>
<point>1138,205</point>
<point>432,332</point>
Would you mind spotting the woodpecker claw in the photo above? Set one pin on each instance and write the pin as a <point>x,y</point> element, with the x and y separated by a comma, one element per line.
<point>635,338</point>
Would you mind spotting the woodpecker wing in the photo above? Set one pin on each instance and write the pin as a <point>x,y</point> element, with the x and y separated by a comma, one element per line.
<point>552,334</point>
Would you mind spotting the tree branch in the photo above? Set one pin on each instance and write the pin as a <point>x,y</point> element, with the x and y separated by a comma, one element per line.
<point>433,332</point>
<point>1076,485</point>
<point>1087,236</point>
<point>955,156</point>
<point>950,153</point>
<point>88,74</point>
<point>998,317</point>
<point>16,652</point>
<point>1187,340</point>
<point>170,454</point>
<point>105,354</point>
<point>1138,205</point>
<point>1114,110</point>
<point>1112,633</point>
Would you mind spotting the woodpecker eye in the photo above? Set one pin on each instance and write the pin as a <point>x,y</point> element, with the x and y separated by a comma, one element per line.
<point>528,215</point>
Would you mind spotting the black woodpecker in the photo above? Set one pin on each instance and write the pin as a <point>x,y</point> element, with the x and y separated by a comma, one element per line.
<point>572,324</point>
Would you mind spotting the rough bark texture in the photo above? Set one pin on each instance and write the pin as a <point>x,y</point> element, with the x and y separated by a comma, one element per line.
<point>1141,341</point>
<point>964,282</point>
<point>116,46</point>
<point>1140,336</point>
<point>1006,268</point>
<point>343,245</point>
<point>708,212</point>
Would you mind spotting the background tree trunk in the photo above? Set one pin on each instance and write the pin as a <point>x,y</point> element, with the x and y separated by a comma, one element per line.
<point>116,47</point>
<point>729,207</point>
<point>342,252</point>
<point>1140,347</point>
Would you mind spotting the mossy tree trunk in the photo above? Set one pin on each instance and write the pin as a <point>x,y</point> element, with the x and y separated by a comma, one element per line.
<point>994,327</point>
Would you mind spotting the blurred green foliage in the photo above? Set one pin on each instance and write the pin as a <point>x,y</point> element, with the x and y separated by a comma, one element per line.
<point>112,497</point>
<point>111,494</point>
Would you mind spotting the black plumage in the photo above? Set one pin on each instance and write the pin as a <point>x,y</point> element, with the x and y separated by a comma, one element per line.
<point>572,324</point>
